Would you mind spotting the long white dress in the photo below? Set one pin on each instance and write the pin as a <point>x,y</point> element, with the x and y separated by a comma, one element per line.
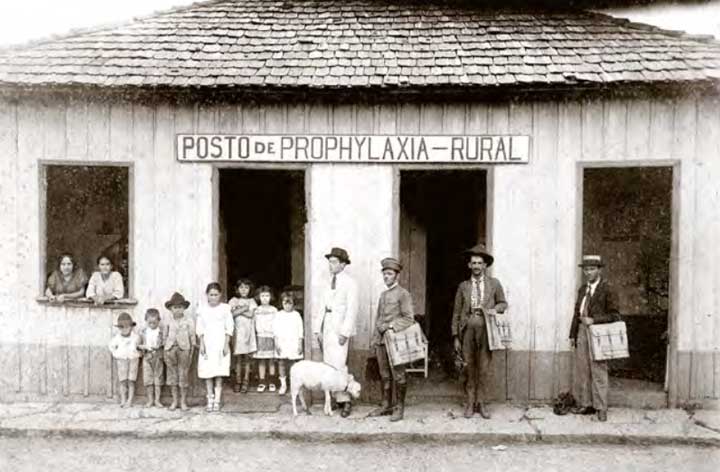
<point>288,332</point>
<point>214,323</point>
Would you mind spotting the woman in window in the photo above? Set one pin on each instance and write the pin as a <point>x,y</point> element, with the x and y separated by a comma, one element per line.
<point>105,284</point>
<point>67,282</point>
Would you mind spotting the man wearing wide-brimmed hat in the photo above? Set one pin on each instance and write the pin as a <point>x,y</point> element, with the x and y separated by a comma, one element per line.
<point>334,324</point>
<point>395,313</point>
<point>596,303</point>
<point>474,297</point>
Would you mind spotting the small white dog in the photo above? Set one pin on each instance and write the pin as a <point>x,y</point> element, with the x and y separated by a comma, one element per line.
<point>313,375</point>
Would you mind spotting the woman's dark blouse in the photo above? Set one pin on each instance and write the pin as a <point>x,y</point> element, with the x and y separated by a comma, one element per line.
<point>58,286</point>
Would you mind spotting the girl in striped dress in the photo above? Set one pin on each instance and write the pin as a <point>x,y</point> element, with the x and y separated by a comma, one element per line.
<point>265,353</point>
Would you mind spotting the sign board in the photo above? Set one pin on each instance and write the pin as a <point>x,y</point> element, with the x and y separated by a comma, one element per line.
<point>377,149</point>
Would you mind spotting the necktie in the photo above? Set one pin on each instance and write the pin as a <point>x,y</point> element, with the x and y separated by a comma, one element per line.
<point>334,280</point>
<point>585,302</point>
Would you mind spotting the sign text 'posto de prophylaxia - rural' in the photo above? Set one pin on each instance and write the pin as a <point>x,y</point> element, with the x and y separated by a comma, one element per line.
<point>353,148</point>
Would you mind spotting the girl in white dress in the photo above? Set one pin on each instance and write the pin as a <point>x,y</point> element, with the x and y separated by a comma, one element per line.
<point>288,331</point>
<point>214,327</point>
<point>265,353</point>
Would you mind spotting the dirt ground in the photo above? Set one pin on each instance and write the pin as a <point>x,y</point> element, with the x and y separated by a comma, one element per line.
<point>82,454</point>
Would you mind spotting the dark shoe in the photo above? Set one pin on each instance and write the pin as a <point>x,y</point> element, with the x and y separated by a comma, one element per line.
<point>236,388</point>
<point>602,415</point>
<point>483,411</point>
<point>399,411</point>
<point>346,410</point>
<point>588,410</point>
<point>469,411</point>
<point>244,388</point>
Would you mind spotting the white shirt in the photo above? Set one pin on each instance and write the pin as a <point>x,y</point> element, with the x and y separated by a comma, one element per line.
<point>125,347</point>
<point>152,336</point>
<point>587,296</point>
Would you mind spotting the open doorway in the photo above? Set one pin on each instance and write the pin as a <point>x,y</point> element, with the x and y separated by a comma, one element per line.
<point>627,218</point>
<point>262,229</point>
<point>442,213</point>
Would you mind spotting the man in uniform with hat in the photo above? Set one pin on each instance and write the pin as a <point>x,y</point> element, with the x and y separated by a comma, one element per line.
<point>335,324</point>
<point>394,312</point>
<point>596,303</point>
<point>474,297</point>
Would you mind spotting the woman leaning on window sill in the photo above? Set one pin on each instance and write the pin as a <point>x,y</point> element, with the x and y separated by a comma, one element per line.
<point>67,282</point>
<point>105,284</point>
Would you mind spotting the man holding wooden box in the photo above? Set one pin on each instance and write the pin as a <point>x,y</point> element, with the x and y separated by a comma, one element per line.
<point>596,303</point>
<point>394,313</point>
<point>479,296</point>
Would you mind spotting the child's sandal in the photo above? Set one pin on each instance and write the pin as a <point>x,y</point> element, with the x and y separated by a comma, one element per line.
<point>216,406</point>
<point>244,388</point>
<point>261,388</point>
<point>210,402</point>
<point>272,387</point>
<point>237,388</point>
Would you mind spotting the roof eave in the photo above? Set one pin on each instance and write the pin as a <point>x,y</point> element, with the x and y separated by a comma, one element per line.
<point>370,94</point>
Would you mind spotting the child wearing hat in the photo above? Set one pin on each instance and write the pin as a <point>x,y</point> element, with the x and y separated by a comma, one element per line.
<point>179,343</point>
<point>151,343</point>
<point>124,349</point>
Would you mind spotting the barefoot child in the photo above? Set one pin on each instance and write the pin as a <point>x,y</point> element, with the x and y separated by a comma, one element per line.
<point>288,331</point>
<point>214,328</point>
<point>243,311</point>
<point>264,316</point>
<point>124,349</point>
<point>180,343</point>
<point>151,343</point>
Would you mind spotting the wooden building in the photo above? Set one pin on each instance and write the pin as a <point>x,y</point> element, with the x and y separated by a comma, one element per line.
<point>617,150</point>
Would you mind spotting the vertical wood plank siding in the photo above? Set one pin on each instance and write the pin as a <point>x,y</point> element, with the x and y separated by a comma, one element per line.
<point>59,352</point>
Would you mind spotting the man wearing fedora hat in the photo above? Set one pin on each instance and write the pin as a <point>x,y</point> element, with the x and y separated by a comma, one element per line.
<point>394,312</point>
<point>596,303</point>
<point>474,297</point>
<point>334,325</point>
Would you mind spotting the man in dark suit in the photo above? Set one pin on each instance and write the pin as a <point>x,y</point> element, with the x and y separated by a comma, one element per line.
<point>596,303</point>
<point>480,294</point>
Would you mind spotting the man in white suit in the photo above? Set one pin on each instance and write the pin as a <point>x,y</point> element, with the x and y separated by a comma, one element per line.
<point>334,324</point>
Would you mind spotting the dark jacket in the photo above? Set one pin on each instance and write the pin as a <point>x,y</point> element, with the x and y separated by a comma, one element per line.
<point>602,308</point>
<point>494,297</point>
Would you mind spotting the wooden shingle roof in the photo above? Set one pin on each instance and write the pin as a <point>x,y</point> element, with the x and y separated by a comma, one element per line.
<point>361,44</point>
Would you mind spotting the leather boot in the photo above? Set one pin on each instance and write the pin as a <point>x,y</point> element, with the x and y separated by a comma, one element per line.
<point>386,407</point>
<point>469,405</point>
<point>399,410</point>
<point>483,411</point>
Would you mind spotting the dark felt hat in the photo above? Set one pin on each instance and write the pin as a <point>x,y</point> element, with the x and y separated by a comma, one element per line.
<point>177,299</point>
<point>391,263</point>
<point>340,253</point>
<point>591,260</point>
<point>480,250</point>
<point>124,319</point>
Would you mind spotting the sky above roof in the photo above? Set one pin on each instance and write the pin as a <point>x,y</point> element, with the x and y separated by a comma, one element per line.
<point>20,22</point>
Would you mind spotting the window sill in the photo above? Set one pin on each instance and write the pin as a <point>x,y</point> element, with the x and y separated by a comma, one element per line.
<point>87,303</point>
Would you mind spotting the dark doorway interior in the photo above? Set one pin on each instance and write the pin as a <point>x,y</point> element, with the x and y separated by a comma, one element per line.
<point>627,218</point>
<point>262,228</point>
<point>442,214</point>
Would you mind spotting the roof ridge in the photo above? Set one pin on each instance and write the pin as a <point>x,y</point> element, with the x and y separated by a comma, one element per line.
<point>704,38</point>
<point>75,32</point>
